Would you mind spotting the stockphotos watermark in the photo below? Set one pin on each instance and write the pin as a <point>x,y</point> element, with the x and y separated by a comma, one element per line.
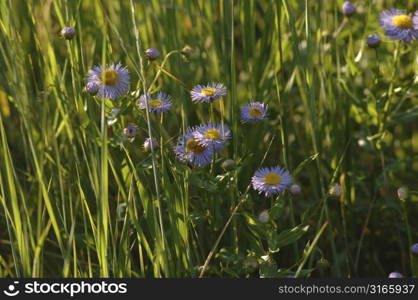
<point>62,288</point>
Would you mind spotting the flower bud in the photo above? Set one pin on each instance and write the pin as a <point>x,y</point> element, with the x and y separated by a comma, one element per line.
<point>67,33</point>
<point>403,193</point>
<point>228,164</point>
<point>151,144</point>
<point>348,8</point>
<point>130,131</point>
<point>373,41</point>
<point>335,190</point>
<point>322,263</point>
<point>188,52</point>
<point>295,189</point>
<point>152,53</point>
<point>121,211</point>
<point>395,275</point>
<point>414,249</point>
<point>264,216</point>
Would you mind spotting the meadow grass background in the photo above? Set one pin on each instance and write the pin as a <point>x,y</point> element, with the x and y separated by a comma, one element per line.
<point>78,200</point>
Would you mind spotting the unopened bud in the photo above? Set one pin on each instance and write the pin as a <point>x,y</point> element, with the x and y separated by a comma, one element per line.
<point>67,33</point>
<point>152,53</point>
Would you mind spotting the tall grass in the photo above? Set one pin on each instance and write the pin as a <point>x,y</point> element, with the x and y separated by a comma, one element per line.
<point>80,200</point>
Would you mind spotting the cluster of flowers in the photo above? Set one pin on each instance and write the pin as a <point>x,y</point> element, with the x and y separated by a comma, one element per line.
<point>199,144</point>
<point>397,25</point>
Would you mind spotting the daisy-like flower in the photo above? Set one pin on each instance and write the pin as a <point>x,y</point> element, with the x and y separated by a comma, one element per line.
<point>271,181</point>
<point>213,135</point>
<point>398,25</point>
<point>160,103</point>
<point>208,93</point>
<point>113,80</point>
<point>253,112</point>
<point>189,149</point>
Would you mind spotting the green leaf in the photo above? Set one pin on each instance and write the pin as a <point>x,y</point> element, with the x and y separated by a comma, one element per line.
<point>302,165</point>
<point>276,241</point>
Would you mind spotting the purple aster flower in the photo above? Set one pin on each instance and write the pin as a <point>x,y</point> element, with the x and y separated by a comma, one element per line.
<point>151,144</point>
<point>271,181</point>
<point>130,131</point>
<point>373,40</point>
<point>395,275</point>
<point>189,149</point>
<point>349,9</point>
<point>398,25</point>
<point>208,93</point>
<point>67,33</point>
<point>152,53</point>
<point>414,249</point>
<point>113,80</point>
<point>253,112</point>
<point>213,135</point>
<point>160,103</point>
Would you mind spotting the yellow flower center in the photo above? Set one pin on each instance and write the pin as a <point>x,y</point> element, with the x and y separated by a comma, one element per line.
<point>212,134</point>
<point>155,103</point>
<point>208,92</point>
<point>402,21</point>
<point>255,112</point>
<point>193,145</point>
<point>272,179</point>
<point>110,77</point>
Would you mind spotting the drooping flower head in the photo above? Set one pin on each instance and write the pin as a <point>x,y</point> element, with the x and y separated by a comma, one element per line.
<point>349,9</point>
<point>208,93</point>
<point>189,149</point>
<point>271,181</point>
<point>213,135</point>
<point>398,25</point>
<point>151,144</point>
<point>159,104</point>
<point>113,80</point>
<point>253,112</point>
<point>373,40</point>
